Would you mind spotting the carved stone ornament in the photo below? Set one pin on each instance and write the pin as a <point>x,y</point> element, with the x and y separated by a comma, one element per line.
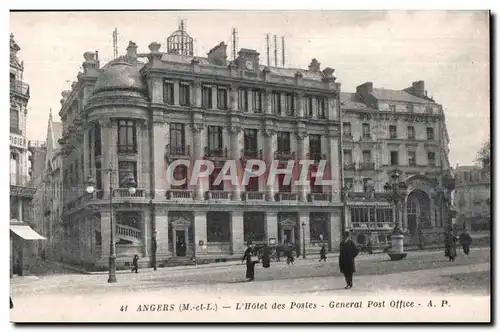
<point>197,127</point>
<point>234,130</point>
<point>268,132</point>
<point>302,135</point>
<point>107,123</point>
<point>180,220</point>
<point>154,47</point>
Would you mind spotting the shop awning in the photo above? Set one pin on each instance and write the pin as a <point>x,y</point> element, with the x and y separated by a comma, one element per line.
<point>26,232</point>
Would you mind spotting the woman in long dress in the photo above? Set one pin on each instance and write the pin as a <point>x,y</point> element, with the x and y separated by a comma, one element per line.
<point>250,263</point>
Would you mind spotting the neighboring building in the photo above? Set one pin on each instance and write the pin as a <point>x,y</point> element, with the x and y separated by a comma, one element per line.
<point>22,190</point>
<point>139,117</point>
<point>473,197</point>
<point>404,129</point>
<point>48,198</point>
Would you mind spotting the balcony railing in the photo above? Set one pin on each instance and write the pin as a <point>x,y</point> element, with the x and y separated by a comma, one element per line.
<point>251,153</point>
<point>218,153</point>
<point>284,197</point>
<point>349,166</point>
<point>124,193</point>
<point>128,231</point>
<point>179,194</point>
<point>283,155</point>
<point>347,135</point>
<point>218,195</point>
<point>317,157</point>
<point>385,225</point>
<point>367,166</point>
<point>20,87</point>
<point>254,196</point>
<point>319,197</point>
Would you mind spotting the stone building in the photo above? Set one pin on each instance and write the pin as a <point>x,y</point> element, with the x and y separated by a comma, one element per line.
<point>22,190</point>
<point>473,198</point>
<point>142,111</point>
<point>385,129</point>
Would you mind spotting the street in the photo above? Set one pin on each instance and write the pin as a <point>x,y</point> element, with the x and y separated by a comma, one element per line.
<point>422,272</point>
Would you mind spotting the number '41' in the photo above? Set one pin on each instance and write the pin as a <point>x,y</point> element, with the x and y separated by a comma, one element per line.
<point>124,308</point>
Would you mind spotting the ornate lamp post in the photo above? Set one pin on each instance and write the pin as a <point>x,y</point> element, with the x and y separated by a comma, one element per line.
<point>131,184</point>
<point>303,239</point>
<point>396,191</point>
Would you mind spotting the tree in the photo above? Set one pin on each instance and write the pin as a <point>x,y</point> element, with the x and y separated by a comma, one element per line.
<point>483,157</point>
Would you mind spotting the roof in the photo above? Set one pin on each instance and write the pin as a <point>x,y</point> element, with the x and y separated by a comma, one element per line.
<point>398,95</point>
<point>467,168</point>
<point>57,130</point>
<point>348,100</point>
<point>120,75</point>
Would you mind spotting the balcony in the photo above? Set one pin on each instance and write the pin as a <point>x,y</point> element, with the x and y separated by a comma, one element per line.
<point>286,197</point>
<point>367,166</point>
<point>365,137</point>
<point>319,197</point>
<point>20,88</point>
<point>317,157</point>
<point>218,195</point>
<point>386,225</point>
<point>177,152</point>
<point>347,136</point>
<point>284,155</point>
<point>248,154</point>
<point>17,140</point>
<point>124,193</point>
<point>253,196</point>
<point>349,166</point>
<point>179,194</point>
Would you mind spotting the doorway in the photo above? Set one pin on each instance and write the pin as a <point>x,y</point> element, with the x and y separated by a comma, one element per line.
<point>288,236</point>
<point>180,244</point>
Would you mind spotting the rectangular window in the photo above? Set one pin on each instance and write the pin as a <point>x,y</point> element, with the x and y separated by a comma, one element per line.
<point>276,103</point>
<point>14,121</point>
<point>180,173</point>
<point>242,99</point>
<point>177,139</point>
<point>222,98</point>
<point>206,96</point>
<point>321,108</point>
<point>308,106</point>
<point>98,175</point>
<point>214,141</point>
<point>392,108</point>
<point>411,132</point>
<point>348,156</point>
<point>412,158</point>
<point>168,93</point>
<point>409,107</point>
<point>184,94</point>
<point>431,158</point>
<point>257,101</point>
<point>428,109</point>
<point>250,142</point>
<point>315,147</point>
<point>283,138</point>
<point>366,130</point>
<point>97,140</point>
<point>367,184</point>
<point>393,132</point>
<point>127,136</point>
<point>284,188</point>
<point>126,169</point>
<point>349,183</point>
<point>347,129</point>
<point>394,158</point>
<point>367,156</point>
<point>430,133</point>
<point>290,104</point>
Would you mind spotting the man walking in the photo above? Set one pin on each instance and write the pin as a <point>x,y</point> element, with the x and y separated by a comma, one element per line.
<point>348,252</point>
<point>322,254</point>
<point>465,240</point>
<point>135,264</point>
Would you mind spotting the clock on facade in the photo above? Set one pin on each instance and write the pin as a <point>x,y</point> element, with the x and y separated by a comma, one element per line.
<point>249,64</point>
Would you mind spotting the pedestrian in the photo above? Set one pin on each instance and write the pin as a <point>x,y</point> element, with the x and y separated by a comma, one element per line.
<point>465,240</point>
<point>11,304</point>
<point>348,252</point>
<point>322,254</point>
<point>289,254</point>
<point>266,257</point>
<point>278,253</point>
<point>251,260</point>
<point>451,247</point>
<point>135,264</point>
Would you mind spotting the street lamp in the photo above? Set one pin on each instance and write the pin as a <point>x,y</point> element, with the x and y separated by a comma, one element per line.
<point>396,191</point>
<point>303,239</point>
<point>155,234</point>
<point>130,183</point>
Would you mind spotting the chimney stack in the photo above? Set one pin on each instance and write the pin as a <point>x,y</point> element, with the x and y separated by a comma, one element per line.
<point>132,52</point>
<point>218,54</point>
<point>418,88</point>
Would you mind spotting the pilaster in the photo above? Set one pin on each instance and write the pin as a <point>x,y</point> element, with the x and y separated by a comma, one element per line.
<point>158,137</point>
<point>272,226</point>
<point>105,234</point>
<point>235,132</point>
<point>269,134</point>
<point>305,232</point>
<point>200,233</point>
<point>335,229</point>
<point>237,236</point>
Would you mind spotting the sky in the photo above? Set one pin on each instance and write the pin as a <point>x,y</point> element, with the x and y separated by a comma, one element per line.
<point>449,50</point>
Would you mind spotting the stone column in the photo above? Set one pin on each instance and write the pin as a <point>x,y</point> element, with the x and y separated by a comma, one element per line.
<point>334,162</point>
<point>157,90</point>
<point>106,147</point>
<point>92,168</point>
<point>214,97</point>
<point>236,155</point>
<point>271,226</point>
<point>161,225</point>
<point>198,143</point>
<point>197,94</point>
<point>86,153</point>
<point>105,234</point>
<point>112,148</point>
<point>233,98</point>
<point>176,93</point>
<point>331,111</point>
<point>237,236</point>
<point>200,233</point>
<point>299,105</point>
<point>269,135</point>
<point>335,229</point>
<point>302,155</point>
<point>20,208</point>
<point>146,232</point>
<point>267,107</point>
<point>304,230</point>
<point>159,136</point>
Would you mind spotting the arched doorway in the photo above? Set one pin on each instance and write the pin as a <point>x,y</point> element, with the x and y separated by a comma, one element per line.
<point>418,211</point>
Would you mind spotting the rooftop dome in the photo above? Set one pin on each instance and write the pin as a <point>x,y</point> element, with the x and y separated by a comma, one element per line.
<point>120,76</point>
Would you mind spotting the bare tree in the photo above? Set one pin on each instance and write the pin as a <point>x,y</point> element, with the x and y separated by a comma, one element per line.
<point>483,157</point>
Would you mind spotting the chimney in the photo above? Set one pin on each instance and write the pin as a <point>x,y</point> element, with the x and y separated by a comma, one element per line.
<point>418,88</point>
<point>365,89</point>
<point>132,52</point>
<point>90,65</point>
<point>314,66</point>
<point>218,54</point>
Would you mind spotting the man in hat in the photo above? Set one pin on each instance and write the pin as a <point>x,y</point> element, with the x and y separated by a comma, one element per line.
<point>348,252</point>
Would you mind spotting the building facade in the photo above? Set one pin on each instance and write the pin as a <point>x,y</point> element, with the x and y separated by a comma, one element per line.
<point>22,189</point>
<point>137,117</point>
<point>473,197</point>
<point>395,129</point>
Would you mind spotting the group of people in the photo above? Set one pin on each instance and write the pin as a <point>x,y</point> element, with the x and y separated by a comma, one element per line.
<point>465,241</point>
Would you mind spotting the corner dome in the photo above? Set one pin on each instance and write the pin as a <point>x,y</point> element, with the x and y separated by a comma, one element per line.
<point>120,76</point>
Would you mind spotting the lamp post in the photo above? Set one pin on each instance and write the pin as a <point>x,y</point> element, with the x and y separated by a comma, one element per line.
<point>155,234</point>
<point>131,184</point>
<point>303,239</point>
<point>396,191</point>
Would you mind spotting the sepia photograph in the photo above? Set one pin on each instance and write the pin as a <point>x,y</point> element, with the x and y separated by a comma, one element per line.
<point>250,166</point>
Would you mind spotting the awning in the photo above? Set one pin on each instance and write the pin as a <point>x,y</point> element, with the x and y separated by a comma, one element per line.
<point>26,232</point>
